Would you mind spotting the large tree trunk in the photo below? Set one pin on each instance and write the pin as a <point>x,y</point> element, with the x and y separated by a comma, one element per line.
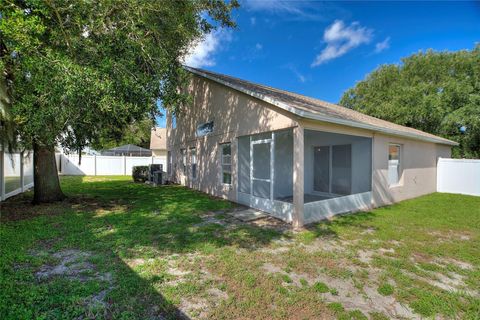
<point>45,175</point>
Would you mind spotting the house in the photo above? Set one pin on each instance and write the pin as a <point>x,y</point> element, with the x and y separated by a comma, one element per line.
<point>158,142</point>
<point>298,158</point>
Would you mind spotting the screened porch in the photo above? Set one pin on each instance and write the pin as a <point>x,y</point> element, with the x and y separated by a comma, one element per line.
<point>336,173</point>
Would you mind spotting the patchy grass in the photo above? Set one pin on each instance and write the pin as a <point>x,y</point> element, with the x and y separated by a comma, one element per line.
<point>321,287</point>
<point>120,250</point>
<point>385,289</point>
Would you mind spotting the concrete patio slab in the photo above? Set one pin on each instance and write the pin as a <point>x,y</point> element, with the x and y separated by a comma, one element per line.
<point>248,214</point>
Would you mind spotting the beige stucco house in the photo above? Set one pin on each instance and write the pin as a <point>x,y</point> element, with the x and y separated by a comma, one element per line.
<point>298,158</point>
<point>158,142</point>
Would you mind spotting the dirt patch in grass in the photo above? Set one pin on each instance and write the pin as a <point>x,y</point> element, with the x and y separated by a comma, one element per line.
<point>344,291</point>
<point>451,235</point>
<point>450,261</point>
<point>21,207</point>
<point>73,264</point>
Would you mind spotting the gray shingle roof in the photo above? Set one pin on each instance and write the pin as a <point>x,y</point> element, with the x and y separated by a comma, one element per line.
<point>315,109</point>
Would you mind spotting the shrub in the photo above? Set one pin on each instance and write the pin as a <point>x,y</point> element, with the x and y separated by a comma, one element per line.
<point>140,173</point>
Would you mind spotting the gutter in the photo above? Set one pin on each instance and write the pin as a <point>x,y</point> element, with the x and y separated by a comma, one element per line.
<point>314,116</point>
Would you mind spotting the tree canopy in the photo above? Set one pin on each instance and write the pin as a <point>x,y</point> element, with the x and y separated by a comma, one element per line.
<point>77,68</point>
<point>437,92</point>
<point>77,72</point>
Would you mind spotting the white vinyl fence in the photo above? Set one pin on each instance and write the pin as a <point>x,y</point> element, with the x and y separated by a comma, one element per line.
<point>458,176</point>
<point>16,173</point>
<point>103,165</point>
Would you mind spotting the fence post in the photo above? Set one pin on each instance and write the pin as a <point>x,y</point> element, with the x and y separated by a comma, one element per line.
<point>2,175</point>
<point>94,164</point>
<point>124,165</point>
<point>22,173</point>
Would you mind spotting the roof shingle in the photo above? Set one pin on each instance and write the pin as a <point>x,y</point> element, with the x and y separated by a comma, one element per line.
<point>317,109</point>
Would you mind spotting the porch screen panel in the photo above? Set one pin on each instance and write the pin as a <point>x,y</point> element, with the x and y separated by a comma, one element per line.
<point>283,165</point>
<point>244,164</point>
<point>262,136</point>
<point>261,189</point>
<point>342,169</point>
<point>321,169</point>
<point>261,161</point>
<point>261,170</point>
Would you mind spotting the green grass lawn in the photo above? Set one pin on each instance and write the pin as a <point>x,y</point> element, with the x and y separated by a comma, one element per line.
<point>120,250</point>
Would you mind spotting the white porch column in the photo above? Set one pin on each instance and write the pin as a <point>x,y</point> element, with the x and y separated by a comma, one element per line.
<point>298,176</point>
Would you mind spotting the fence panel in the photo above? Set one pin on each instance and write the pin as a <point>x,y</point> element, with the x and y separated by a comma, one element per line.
<point>458,176</point>
<point>16,173</point>
<point>110,165</point>
<point>12,172</point>
<point>69,165</point>
<point>104,165</point>
<point>136,161</point>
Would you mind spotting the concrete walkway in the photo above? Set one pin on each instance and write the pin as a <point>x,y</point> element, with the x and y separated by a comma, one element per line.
<point>247,215</point>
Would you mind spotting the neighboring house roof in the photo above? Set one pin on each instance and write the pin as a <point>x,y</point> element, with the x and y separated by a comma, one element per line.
<point>158,139</point>
<point>315,109</point>
<point>128,148</point>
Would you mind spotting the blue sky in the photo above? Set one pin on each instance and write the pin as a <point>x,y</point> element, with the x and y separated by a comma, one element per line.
<point>320,49</point>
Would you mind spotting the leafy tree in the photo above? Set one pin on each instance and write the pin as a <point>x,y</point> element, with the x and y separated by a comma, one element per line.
<point>75,72</point>
<point>437,92</point>
<point>137,133</point>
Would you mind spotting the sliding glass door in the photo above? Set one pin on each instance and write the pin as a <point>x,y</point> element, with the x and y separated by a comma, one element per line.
<point>332,169</point>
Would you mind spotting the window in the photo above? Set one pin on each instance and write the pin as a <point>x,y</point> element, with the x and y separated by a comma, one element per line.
<point>394,168</point>
<point>226,162</point>
<point>204,129</point>
<point>193,162</point>
<point>183,153</point>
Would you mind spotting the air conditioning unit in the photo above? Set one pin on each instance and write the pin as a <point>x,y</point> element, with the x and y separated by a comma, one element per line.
<point>159,178</point>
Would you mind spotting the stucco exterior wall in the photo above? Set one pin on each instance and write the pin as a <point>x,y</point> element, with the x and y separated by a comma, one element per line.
<point>159,153</point>
<point>418,163</point>
<point>234,114</point>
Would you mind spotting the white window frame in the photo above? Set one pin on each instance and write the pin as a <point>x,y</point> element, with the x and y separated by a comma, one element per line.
<point>399,166</point>
<point>223,164</point>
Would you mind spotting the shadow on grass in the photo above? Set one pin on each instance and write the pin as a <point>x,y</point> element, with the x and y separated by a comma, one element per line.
<point>117,221</point>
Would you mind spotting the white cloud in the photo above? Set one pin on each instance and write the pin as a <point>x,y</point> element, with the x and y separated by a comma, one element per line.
<point>275,6</point>
<point>340,39</point>
<point>258,46</point>
<point>384,45</point>
<point>253,21</point>
<point>296,9</point>
<point>297,73</point>
<point>301,78</point>
<point>202,52</point>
